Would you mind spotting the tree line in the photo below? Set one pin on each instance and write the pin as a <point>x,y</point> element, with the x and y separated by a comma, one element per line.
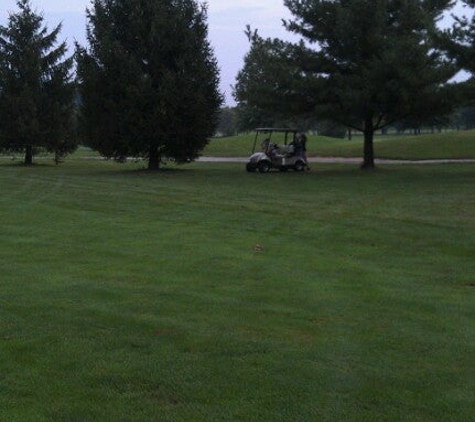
<point>146,85</point>
<point>232,123</point>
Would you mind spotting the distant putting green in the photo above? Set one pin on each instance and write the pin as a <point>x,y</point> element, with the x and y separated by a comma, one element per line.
<point>431,146</point>
<point>204,293</point>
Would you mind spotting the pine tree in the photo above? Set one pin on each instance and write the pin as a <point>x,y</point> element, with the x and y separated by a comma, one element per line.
<point>362,64</point>
<point>36,92</point>
<point>459,43</point>
<point>148,81</point>
<point>462,39</point>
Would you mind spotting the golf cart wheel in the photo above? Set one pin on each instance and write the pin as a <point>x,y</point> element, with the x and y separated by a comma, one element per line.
<point>250,168</point>
<point>299,166</point>
<point>263,166</point>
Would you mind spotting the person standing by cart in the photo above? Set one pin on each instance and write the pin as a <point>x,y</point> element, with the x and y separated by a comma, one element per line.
<point>301,147</point>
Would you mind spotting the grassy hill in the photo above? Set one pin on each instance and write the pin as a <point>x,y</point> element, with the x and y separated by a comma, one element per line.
<point>443,145</point>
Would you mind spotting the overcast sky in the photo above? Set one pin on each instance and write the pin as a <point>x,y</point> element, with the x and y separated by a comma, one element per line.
<point>227,20</point>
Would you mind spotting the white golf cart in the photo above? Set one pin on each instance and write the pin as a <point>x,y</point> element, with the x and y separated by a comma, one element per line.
<point>278,149</point>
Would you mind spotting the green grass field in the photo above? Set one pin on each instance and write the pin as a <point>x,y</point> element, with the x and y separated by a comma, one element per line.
<point>444,145</point>
<point>130,296</point>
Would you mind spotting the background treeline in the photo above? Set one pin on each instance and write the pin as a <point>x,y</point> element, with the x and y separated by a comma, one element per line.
<point>463,118</point>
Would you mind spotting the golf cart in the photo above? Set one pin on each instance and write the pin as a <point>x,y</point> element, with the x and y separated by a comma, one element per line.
<point>278,149</point>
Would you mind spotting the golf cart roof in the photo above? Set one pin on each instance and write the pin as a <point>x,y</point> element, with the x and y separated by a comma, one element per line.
<point>276,129</point>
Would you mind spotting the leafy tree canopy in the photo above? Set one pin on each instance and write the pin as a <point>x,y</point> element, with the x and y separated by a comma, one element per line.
<point>149,80</point>
<point>227,125</point>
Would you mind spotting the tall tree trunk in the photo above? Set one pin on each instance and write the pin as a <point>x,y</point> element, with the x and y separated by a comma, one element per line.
<point>368,159</point>
<point>350,135</point>
<point>153,159</point>
<point>29,155</point>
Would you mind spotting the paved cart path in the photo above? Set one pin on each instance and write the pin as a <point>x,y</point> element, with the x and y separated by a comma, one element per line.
<point>320,160</point>
<point>343,160</point>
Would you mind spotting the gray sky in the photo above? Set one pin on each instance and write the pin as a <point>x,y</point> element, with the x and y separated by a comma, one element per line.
<point>227,20</point>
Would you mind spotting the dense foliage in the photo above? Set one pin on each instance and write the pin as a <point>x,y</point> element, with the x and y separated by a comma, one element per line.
<point>149,80</point>
<point>227,125</point>
<point>36,90</point>
<point>462,40</point>
<point>363,64</point>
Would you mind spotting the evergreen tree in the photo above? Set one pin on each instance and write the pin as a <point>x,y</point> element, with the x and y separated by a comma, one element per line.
<point>149,80</point>
<point>461,40</point>
<point>363,64</point>
<point>36,91</point>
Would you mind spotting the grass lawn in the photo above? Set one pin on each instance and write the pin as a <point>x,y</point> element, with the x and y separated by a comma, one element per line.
<point>433,146</point>
<point>130,296</point>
